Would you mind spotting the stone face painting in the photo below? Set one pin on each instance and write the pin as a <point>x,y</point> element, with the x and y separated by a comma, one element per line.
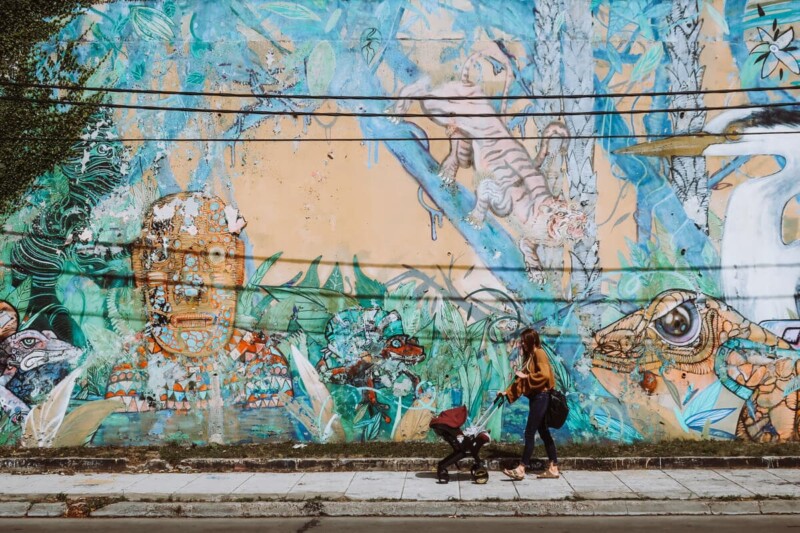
<point>329,221</point>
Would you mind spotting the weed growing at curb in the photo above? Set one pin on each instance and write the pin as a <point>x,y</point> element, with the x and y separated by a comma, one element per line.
<point>174,453</point>
<point>83,507</point>
<point>730,499</point>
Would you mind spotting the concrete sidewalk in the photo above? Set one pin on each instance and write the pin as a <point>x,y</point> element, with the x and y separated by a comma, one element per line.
<point>389,493</point>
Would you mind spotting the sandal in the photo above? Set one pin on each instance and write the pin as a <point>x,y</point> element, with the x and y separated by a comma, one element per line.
<point>515,474</point>
<point>549,474</point>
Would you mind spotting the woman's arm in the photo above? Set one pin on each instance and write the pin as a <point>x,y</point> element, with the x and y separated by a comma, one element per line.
<point>519,387</point>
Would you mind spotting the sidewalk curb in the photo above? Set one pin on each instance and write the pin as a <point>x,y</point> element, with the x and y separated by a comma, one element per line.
<point>316,508</point>
<point>41,465</point>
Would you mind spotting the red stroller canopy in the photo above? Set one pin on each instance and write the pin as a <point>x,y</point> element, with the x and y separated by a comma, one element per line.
<point>452,418</point>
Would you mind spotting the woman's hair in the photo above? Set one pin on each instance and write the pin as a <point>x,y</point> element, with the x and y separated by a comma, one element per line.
<point>530,341</point>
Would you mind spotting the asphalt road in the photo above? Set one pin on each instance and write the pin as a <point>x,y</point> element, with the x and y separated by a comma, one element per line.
<point>648,524</point>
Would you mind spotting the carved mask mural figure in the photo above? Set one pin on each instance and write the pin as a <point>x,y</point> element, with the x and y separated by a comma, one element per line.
<point>190,261</point>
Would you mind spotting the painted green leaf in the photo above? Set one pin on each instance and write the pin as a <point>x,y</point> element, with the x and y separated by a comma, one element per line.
<point>119,26</point>
<point>308,297</point>
<point>20,296</point>
<point>169,8</point>
<point>335,281</point>
<point>648,62</point>
<point>614,59</point>
<point>277,319</point>
<point>451,325</point>
<point>196,78</point>
<point>97,33</point>
<point>320,68</point>
<point>621,219</point>
<point>247,294</point>
<point>312,276</point>
<point>294,280</point>
<point>499,362</point>
<point>151,24</point>
<point>476,330</point>
<point>750,72</point>
<point>673,390</point>
<point>137,71</point>
<point>198,48</point>
<point>368,291</point>
<point>290,10</point>
<point>333,20</point>
<point>403,301</point>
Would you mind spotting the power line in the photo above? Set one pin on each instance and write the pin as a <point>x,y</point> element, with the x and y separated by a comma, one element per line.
<point>382,139</point>
<point>261,112</point>
<point>88,246</point>
<point>283,291</point>
<point>229,94</point>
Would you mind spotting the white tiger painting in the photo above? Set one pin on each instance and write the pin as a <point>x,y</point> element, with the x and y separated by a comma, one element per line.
<point>511,183</point>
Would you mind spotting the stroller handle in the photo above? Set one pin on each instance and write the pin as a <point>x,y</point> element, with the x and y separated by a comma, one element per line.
<point>487,415</point>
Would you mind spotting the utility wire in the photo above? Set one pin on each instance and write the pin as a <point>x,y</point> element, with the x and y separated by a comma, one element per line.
<point>46,101</point>
<point>391,98</point>
<point>381,139</point>
<point>423,296</point>
<point>87,248</point>
<point>387,115</point>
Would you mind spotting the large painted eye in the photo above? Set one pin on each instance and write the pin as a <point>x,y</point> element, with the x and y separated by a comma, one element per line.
<point>733,132</point>
<point>28,342</point>
<point>680,326</point>
<point>396,343</point>
<point>216,255</point>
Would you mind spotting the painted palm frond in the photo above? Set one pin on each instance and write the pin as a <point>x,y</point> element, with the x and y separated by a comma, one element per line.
<point>43,422</point>
<point>327,421</point>
<point>80,425</point>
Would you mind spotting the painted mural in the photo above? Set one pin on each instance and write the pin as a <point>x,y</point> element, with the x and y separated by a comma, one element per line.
<point>328,221</point>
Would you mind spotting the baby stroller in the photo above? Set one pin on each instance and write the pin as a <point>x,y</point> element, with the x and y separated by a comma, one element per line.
<point>468,442</point>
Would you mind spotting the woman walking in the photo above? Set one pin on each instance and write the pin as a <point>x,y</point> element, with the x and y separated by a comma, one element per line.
<point>534,380</point>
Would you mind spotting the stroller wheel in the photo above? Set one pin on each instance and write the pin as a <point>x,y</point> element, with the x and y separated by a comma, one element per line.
<point>480,475</point>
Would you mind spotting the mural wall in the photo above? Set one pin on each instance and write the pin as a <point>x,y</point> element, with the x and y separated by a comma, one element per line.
<point>329,220</point>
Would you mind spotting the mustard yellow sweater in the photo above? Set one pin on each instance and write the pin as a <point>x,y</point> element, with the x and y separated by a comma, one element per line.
<point>539,377</point>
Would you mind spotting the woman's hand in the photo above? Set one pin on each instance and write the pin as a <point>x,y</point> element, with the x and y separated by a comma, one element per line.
<point>521,375</point>
<point>501,395</point>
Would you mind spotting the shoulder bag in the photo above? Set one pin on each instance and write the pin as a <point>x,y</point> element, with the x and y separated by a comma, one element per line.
<point>557,409</point>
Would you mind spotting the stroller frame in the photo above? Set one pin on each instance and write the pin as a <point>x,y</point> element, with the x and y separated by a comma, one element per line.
<point>464,443</point>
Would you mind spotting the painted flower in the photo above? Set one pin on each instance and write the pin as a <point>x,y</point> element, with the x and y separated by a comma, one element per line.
<point>776,49</point>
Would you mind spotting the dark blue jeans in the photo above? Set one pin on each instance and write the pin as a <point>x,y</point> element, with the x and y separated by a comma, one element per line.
<point>538,407</point>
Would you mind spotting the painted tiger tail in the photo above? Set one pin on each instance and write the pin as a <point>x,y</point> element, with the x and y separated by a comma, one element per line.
<point>553,130</point>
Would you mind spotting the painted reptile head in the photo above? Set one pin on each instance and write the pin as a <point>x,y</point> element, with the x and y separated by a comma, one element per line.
<point>356,331</point>
<point>403,348</point>
<point>678,329</point>
<point>30,349</point>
